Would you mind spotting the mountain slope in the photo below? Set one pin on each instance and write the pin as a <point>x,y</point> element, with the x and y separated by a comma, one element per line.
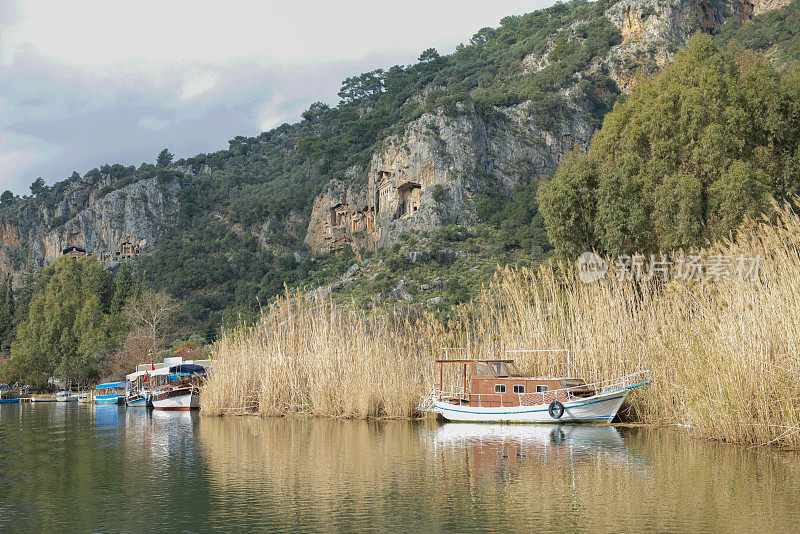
<point>457,139</point>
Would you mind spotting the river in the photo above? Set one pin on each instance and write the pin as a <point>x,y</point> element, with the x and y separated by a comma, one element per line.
<point>79,468</point>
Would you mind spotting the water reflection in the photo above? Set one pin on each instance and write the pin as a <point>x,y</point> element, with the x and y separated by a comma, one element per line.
<point>510,447</point>
<point>325,474</point>
<point>82,468</point>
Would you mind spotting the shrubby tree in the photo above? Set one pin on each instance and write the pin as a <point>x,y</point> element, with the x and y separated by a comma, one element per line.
<point>38,187</point>
<point>164,158</point>
<point>7,198</point>
<point>6,313</point>
<point>690,154</point>
<point>67,331</point>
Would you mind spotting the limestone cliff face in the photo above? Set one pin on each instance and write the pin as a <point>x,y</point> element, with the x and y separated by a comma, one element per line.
<point>120,225</point>
<point>431,175</point>
<point>653,30</point>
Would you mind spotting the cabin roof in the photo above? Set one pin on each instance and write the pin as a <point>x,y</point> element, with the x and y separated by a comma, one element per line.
<point>111,385</point>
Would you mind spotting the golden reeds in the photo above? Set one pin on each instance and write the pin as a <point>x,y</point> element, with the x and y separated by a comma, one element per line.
<point>722,352</point>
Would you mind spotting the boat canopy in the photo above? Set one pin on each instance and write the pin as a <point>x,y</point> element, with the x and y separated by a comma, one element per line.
<point>187,368</point>
<point>112,385</point>
<point>161,371</point>
<point>133,376</point>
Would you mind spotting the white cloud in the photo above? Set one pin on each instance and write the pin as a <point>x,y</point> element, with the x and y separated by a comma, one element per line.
<point>152,123</point>
<point>269,114</point>
<point>101,32</point>
<point>199,84</point>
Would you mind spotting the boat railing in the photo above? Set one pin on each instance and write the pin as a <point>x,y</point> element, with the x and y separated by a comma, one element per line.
<point>601,387</point>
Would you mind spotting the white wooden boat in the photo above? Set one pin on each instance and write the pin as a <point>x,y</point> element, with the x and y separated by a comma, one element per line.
<point>182,390</point>
<point>66,396</point>
<point>177,398</point>
<point>498,393</point>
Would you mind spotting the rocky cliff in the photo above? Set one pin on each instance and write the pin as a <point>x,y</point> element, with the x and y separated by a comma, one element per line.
<point>434,172</point>
<point>431,175</point>
<point>115,226</point>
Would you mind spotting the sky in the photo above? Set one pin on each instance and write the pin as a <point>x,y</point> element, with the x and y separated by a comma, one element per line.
<point>88,82</point>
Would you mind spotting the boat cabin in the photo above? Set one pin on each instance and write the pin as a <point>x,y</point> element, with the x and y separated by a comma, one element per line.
<point>496,383</point>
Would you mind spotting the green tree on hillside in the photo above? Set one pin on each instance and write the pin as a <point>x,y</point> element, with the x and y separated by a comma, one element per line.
<point>38,187</point>
<point>67,331</point>
<point>164,158</point>
<point>6,313</point>
<point>684,159</point>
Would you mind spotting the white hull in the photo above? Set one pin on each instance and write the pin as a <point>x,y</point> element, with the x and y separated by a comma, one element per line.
<point>189,401</point>
<point>599,408</point>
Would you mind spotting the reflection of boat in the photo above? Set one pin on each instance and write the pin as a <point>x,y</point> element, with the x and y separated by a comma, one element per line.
<point>66,396</point>
<point>112,393</point>
<point>182,390</point>
<point>589,437</point>
<point>9,395</point>
<point>497,392</point>
<point>493,446</point>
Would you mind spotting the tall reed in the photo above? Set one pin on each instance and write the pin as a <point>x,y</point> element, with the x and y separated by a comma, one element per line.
<point>721,352</point>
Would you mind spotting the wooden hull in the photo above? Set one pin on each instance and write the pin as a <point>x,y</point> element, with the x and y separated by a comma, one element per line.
<point>181,399</point>
<point>599,408</point>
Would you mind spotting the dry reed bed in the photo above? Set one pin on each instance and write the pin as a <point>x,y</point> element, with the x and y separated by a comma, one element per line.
<point>722,353</point>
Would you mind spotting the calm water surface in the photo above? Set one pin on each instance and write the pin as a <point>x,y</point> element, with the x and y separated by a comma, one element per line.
<point>79,468</point>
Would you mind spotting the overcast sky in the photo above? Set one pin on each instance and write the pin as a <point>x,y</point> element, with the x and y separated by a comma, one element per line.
<point>87,82</point>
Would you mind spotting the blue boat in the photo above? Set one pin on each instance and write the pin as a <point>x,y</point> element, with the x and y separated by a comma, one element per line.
<point>113,393</point>
<point>9,395</point>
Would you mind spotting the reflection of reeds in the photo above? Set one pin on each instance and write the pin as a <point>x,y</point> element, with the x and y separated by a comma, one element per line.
<point>326,474</point>
<point>721,352</point>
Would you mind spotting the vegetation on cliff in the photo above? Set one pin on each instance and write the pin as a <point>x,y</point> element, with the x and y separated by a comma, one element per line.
<point>684,159</point>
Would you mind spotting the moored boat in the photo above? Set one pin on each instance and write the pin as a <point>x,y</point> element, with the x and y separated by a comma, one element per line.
<point>110,393</point>
<point>136,394</point>
<point>182,390</point>
<point>9,395</point>
<point>498,393</point>
<point>66,396</point>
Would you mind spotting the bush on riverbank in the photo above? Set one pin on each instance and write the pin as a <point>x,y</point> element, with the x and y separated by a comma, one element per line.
<point>721,351</point>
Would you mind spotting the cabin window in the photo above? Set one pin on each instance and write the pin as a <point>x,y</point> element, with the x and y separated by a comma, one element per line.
<point>499,388</point>
<point>519,389</point>
<point>541,389</point>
